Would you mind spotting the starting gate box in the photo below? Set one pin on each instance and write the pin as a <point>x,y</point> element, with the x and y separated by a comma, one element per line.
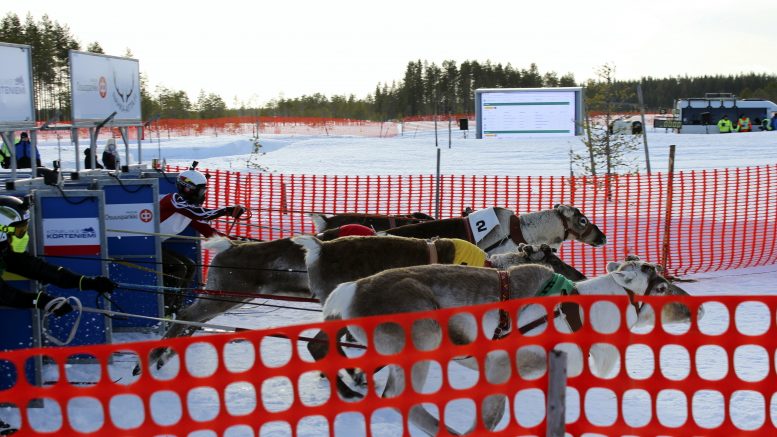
<point>70,225</point>
<point>188,247</point>
<point>132,228</point>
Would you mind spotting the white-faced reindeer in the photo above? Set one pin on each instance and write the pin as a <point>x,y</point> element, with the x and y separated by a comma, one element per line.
<point>425,288</point>
<point>549,226</point>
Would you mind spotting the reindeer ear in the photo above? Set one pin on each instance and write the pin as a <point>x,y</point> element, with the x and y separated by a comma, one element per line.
<point>658,268</point>
<point>624,278</point>
<point>612,266</point>
<point>568,211</point>
<point>632,258</point>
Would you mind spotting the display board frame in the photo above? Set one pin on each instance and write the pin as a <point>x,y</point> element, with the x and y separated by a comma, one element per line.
<point>27,119</point>
<point>96,95</point>
<point>528,98</point>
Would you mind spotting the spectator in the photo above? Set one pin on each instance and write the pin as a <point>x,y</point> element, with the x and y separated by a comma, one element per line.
<point>743,124</point>
<point>724,125</point>
<point>88,159</point>
<point>766,124</point>
<point>24,152</point>
<point>111,159</point>
<point>5,156</point>
<point>774,121</point>
<point>176,211</point>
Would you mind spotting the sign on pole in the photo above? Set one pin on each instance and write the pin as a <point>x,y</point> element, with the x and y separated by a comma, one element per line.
<point>17,107</point>
<point>102,85</point>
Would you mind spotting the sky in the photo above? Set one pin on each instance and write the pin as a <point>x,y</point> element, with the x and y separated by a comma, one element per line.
<point>259,51</point>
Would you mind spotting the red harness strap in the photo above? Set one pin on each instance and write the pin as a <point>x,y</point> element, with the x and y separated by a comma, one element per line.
<point>468,230</point>
<point>515,230</point>
<point>504,295</point>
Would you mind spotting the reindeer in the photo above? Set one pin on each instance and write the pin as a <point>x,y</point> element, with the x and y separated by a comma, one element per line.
<point>505,230</point>
<point>278,267</point>
<point>378,222</point>
<point>431,287</point>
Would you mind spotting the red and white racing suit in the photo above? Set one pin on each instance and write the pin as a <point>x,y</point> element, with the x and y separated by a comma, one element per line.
<point>175,214</point>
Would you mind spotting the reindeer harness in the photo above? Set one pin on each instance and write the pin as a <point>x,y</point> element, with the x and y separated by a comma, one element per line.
<point>558,285</point>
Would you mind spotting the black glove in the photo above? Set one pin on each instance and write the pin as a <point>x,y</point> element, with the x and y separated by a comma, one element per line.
<point>235,211</point>
<point>44,300</point>
<point>100,284</point>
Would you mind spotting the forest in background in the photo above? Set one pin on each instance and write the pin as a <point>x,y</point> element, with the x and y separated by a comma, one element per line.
<point>425,89</point>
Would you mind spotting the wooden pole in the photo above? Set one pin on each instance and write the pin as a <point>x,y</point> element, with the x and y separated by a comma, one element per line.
<point>669,203</point>
<point>557,390</point>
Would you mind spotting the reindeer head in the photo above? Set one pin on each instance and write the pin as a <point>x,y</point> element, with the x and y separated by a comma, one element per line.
<point>579,227</point>
<point>645,278</point>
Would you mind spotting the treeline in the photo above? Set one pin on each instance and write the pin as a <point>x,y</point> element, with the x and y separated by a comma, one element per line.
<point>660,93</point>
<point>425,89</point>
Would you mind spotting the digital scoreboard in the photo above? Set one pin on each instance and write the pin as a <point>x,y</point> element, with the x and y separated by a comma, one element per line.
<point>528,112</point>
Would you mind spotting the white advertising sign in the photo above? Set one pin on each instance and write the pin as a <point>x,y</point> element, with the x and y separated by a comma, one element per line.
<point>137,217</point>
<point>102,85</point>
<point>71,232</point>
<point>16,102</point>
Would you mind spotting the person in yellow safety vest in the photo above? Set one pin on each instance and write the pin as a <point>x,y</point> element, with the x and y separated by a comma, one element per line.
<point>743,124</point>
<point>766,124</point>
<point>5,155</point>
<point>725,126</point>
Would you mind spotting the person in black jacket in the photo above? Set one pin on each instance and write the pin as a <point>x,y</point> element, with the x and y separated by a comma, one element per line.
<point>14,220</point>
<point>24,152</point>
<point>88,159</point>
<point>111,155</point>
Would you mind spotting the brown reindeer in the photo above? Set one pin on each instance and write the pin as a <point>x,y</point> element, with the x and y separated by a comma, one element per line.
<point>378,222</point>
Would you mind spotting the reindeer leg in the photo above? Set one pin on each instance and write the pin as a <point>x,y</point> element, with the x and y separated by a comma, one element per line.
<point>199,311</point>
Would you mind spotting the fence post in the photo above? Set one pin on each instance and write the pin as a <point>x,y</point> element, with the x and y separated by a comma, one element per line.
<point>557,388</point>
<point>668,219</point>
<point>437,188</point>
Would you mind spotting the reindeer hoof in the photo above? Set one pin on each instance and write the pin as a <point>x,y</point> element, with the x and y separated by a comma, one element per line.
<point>345,391</point>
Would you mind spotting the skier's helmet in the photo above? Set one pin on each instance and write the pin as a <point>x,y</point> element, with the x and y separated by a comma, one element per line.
<point>14,217</point>
<point>192,186</point>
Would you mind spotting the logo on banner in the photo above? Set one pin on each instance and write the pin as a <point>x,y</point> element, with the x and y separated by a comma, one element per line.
<point>13,86</point>
<point>129,219</point>
<point>83,234</point>
<point>124,92</point>
<point>73,236</point>
<point>103,87</point>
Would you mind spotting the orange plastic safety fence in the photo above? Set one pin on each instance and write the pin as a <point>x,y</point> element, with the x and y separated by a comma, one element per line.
<point>243,125</point>
<point>714,220</point>
<point>712,376</point>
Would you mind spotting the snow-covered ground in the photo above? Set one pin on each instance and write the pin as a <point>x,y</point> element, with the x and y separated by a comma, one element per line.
<point>416,154</point>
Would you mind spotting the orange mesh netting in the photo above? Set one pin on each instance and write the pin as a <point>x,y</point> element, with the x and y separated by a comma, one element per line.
<point>690,228</point>
<point>713,376</point>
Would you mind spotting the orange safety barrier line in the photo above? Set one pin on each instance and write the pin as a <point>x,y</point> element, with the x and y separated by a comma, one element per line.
<point>719,219</point>
<point>675,359</point>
